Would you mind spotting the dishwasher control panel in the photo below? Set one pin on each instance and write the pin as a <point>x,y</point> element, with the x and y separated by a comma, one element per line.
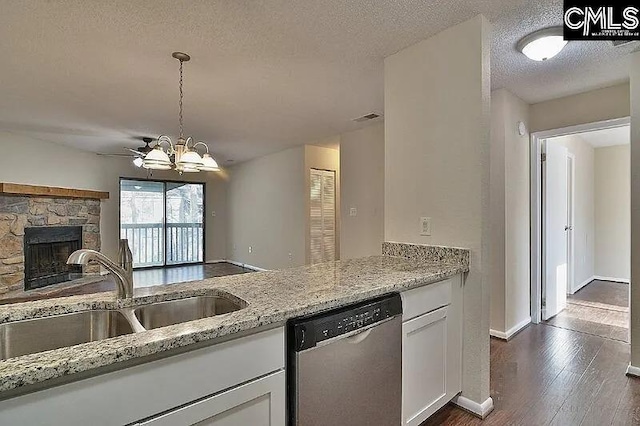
<point>307,332</point>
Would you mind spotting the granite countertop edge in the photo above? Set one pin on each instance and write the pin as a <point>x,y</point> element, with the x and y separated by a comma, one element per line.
<point>271,298</point>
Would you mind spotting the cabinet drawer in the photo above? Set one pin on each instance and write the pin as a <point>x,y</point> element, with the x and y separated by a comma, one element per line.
<point>425,299</point>
<point>257,403</point>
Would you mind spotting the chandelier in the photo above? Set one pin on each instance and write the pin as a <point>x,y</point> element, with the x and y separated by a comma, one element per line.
<point>182,155</point>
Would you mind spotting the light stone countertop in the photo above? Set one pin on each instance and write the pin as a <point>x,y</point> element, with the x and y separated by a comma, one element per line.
<point>272,297</point>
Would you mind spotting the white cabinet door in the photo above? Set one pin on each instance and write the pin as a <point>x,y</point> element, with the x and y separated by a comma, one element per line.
<point>424,367</point>
<point>257,403</point>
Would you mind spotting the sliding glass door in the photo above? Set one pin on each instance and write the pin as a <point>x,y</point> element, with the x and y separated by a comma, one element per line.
<point>184,222</point>
<point>163,221</point>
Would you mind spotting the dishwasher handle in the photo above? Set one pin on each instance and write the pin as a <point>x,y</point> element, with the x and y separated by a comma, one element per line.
<point>359,337</point>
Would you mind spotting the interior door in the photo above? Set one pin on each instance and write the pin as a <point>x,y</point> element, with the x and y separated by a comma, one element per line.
<point>570,221</point>
<point>322,220</point>
<point>555,205</point>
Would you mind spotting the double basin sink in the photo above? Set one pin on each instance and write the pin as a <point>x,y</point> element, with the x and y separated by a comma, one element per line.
<point>43,334</point>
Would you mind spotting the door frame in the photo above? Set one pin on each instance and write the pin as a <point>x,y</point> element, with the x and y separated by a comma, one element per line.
<point>204,219</point>
<point>536,199</point>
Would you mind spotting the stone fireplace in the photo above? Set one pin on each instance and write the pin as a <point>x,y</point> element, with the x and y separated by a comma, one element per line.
<point>38,232</point>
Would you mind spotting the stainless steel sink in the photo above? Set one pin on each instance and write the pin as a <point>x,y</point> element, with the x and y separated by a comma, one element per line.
<point>162,314</point>
<point>43,334</point>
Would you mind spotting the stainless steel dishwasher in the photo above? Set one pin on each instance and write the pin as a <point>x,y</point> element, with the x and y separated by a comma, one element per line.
<point>345,366</point>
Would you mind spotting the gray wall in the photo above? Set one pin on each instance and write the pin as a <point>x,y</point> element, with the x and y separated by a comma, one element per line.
<point>362,188</point>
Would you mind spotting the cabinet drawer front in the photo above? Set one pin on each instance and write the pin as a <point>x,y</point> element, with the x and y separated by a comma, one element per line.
<point>424,369</point>
<point>425,299</point>
<point>257,403</point>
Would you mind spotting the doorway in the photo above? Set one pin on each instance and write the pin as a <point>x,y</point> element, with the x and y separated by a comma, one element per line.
<point>581,227</point>
<point>163,221</point>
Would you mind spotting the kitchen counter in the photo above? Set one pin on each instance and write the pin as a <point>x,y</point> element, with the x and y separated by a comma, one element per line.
<point>271,297</point>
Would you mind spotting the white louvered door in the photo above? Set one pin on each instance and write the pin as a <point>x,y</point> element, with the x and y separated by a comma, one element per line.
<point>322,216</point>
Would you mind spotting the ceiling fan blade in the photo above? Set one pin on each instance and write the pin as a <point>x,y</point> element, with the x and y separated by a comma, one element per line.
<point>116,155</point>
<point>136,152</point>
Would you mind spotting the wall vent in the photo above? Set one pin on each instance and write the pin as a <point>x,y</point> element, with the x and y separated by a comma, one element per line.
<point>367,117</point>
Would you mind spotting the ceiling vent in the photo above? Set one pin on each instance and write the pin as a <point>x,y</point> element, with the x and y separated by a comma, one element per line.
<point>370,116</point>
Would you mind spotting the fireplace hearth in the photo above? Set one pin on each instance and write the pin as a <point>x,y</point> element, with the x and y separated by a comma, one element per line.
<point>46,250</point>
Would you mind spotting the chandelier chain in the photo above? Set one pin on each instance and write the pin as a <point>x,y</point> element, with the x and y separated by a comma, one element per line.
<point>180,104</point>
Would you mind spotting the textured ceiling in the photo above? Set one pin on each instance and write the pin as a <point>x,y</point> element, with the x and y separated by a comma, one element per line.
<point>608,137</point>
<point>265,75</point>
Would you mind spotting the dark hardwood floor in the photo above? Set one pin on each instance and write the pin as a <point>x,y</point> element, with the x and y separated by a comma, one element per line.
<point>600,308</point>
<point>607,292</point>
<point>142,279</point>
<point>178,274</point>
<point>548,375</point>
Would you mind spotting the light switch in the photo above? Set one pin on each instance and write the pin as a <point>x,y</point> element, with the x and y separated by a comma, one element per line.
<point>353,211</point>
<point>425,226</point>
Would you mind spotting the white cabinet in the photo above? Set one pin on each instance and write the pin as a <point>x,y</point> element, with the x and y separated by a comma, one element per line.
<point>241,378</point>
<point>431,349</point>
<point>257,403</point>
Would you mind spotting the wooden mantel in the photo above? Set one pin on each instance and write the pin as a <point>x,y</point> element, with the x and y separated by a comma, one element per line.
<point>50,191</point>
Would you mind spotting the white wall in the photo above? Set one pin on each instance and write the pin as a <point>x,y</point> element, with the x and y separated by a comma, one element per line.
<point>362,188</point>
<point>584,223</point>
<point>510,221</point>
<point>613,212</point>
<point>38,162</point>
<point>437,125</point>
<point>266,210</point>
<point>589,107</point>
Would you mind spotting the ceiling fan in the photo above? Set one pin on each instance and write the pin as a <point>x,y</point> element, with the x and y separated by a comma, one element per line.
<point>141,151</point>
<point>138,153</point>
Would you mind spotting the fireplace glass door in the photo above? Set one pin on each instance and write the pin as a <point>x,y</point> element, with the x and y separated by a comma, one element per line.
<point>163,221</point>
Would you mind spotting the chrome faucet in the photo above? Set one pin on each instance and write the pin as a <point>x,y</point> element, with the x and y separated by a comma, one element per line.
<point>123,277</point>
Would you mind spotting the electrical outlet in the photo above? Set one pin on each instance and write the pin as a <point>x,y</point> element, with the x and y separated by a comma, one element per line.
<point>250,249</point>
<point>290,256</point>
<point>213,213</point>
<point>353,211</point>
<point>425,226</point>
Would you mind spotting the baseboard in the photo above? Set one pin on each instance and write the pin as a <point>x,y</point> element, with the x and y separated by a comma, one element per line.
<point>510,332</point>
<point>478,410</point>
<point>216,261</point>
<point>497,334</point>
<point>633,371</point>
<point>616,280</point>
<point>582,284</point>
<point>247,266</point>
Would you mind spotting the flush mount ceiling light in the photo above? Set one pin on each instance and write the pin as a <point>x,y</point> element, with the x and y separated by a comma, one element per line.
<point>185,157</point>
<point>543,44</point>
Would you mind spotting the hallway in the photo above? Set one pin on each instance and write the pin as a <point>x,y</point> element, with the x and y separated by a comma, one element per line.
<point>600,308</point>
<point>553,376</point>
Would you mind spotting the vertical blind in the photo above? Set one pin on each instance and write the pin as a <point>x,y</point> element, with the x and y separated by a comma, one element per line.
<point>322,216</point>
